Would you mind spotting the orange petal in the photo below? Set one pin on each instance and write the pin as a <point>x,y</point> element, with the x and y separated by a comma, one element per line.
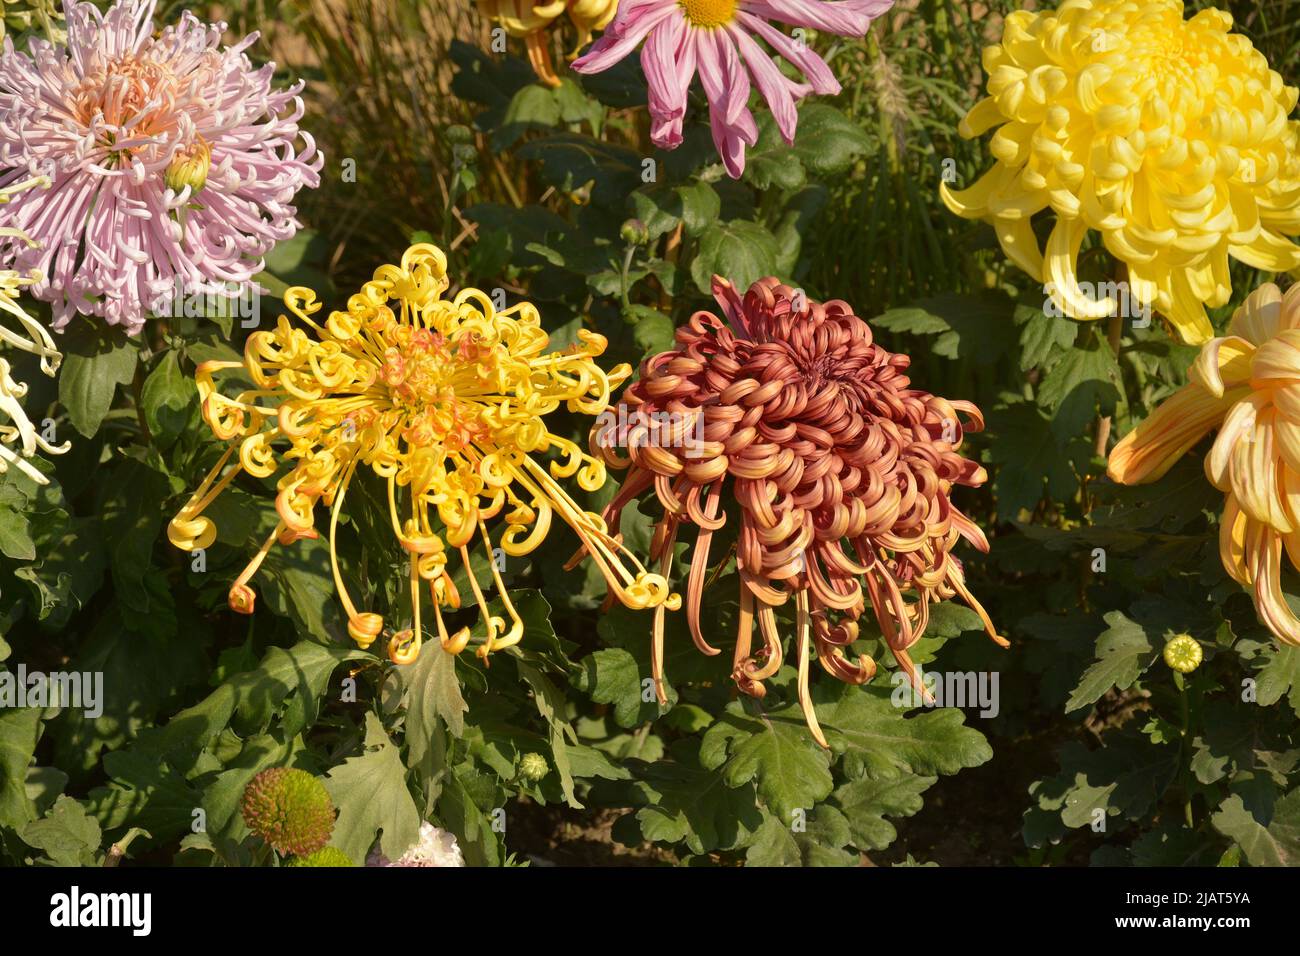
<point>1266,563</point>
<point>1223,362</point>
<point>1232,541</point>
<point>1177,424</point>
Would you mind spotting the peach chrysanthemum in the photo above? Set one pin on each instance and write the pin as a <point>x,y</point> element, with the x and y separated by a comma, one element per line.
<point>444,400</point>
<point>791,410</point>
<point>1168,136</point>
<point>1247,384</point>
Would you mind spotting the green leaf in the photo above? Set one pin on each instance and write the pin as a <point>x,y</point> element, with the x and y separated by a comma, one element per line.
<point>661,207</point>
<point>571,160</point>
<point>1272,840</point>
<point>866,803</point>
<point>1043,337</point>
<point>1172,844</point>
<point>296,582</point>
<point>552,706</point>
<point>1280,675</point>
<point>1231,740</point>
<point>292,678</point>
<point>612,676</point>
<point>682,802</point>
<point>66,833</point>
<point>300,260</point>
<point>470,821</point>
<point>740,251</point>
<point>652,330</point>
<point>700,205</point>
<point>371,795</point>
<point>1127,778</point>
<point>775,752</point>
<point>431,693</point>
<point>97,359</point>
<point>825,144</point>
<point>142,669</point>
<point>885,740</point>
<point>168,397</point>
<point>15,528</point>
<point>1082,384</point>
<point>977,326</point>
<point>532,107</point>
<point>132,521</point>
<point>817,840</point>
<point>20,730</point>
<point>1124,651</point>
<point>541,648</point>
<point>145,790</point>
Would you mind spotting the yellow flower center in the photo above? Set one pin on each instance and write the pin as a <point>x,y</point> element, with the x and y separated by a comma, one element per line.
<point>709,13</point>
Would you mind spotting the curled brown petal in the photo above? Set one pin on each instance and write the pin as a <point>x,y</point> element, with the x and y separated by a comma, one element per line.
<point>840,469</point>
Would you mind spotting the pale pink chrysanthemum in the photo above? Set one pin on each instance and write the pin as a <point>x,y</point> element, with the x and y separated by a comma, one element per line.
<point>716,38</point>
<point>435,847</point>
<point>172,162</point>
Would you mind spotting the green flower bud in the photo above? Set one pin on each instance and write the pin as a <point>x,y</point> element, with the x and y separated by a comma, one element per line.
<point>533,767</point>
<point>325,856</point>
<point>458,134</point>
<point>1183,653</point>
<point>635,233</point>
<point>189,167</point>
<point>289,809</point>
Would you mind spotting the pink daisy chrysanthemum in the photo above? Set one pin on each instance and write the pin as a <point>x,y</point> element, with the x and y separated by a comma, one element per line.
<point>716,38</point>
<point>172,162</point>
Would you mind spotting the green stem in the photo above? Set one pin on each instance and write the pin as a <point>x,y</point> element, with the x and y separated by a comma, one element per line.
<point>623,277</point>
<point>1185,709</point>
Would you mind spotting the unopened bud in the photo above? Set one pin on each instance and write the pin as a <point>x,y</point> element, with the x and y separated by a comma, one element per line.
<point>1183,653</point>
<point>189,167</point>
<point>533,767</point>
<point>635,233</point>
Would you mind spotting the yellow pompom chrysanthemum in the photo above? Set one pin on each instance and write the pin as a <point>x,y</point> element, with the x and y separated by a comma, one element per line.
<point>530,21</point>
<point>444,400</point>
<point>1169,137</point>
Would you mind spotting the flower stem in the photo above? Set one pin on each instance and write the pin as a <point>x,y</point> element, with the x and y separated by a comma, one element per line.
<point>1114,330</point>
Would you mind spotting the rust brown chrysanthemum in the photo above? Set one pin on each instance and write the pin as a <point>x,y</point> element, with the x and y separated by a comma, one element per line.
<point>841,470</point>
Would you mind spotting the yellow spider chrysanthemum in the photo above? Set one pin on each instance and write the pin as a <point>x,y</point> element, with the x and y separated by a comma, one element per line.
<point>531,20</point>
<point>445,401</point>
<point>33,338</point>
<point>1248,385</point>
<point>1170,137</point>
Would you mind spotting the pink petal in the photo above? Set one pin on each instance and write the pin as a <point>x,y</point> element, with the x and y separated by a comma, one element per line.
<point>771,83</point>
<point>822,80</point>
<point>623,35</point>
